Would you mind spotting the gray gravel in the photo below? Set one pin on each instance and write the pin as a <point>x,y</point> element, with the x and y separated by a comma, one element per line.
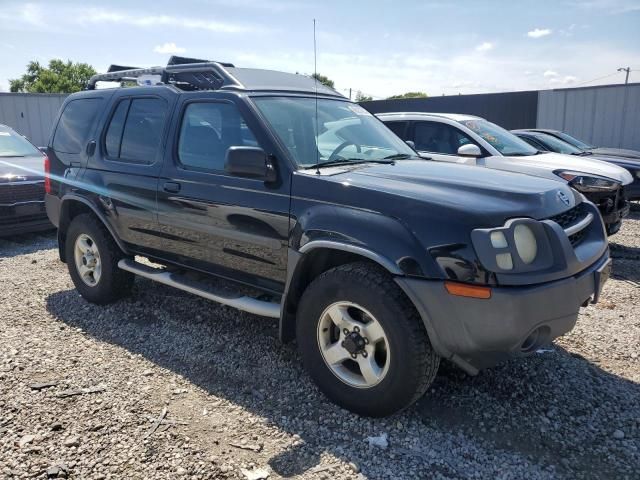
<point>83,390</point>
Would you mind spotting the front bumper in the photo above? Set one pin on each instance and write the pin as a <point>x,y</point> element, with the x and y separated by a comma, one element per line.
<point>612,206</point>
<point>515,321</point>
<point>28,217</point>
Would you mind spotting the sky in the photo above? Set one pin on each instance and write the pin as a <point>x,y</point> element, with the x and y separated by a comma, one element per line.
<point>379,47</point>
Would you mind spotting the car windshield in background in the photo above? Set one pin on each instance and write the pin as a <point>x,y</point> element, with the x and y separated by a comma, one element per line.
<point>346,133</point>
<point>505,142</point>
<point>14,145</point>
<point>557,145</point>
<point>574,141</point>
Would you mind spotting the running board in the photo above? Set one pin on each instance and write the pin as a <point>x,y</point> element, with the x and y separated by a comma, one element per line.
<point>241,302</point>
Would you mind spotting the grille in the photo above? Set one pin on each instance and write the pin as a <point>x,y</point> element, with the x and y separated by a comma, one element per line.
<point>571,217</point>
<point>21,192</point>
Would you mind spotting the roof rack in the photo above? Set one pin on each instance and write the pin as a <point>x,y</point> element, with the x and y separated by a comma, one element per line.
<point>185,73</point>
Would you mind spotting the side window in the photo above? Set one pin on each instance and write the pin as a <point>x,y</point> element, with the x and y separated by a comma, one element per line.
<point>135,130</point>
<point>207,131</point>
<point>399,128</point>
<point>74,127</point>
<point>437,137</point>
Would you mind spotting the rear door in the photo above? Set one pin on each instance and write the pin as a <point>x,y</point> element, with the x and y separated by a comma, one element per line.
<point>440,141</point>
<point>123,172</point>
<point>226,225</point>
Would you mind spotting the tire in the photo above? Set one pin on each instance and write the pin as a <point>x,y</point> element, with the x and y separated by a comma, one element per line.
<point>111,283</point>
<point>406,361</point>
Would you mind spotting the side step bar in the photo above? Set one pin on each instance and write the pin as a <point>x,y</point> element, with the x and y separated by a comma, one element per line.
<point>241,302</point>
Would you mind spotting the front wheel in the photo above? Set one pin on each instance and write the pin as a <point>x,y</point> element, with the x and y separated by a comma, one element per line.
<point>363,342</point>
<point>92,258</point>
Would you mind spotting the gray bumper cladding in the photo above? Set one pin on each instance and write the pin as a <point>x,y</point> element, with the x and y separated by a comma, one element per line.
<point>478,333</point>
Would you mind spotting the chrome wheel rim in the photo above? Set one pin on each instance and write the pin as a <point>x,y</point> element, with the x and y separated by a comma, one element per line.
<point>353,345</point>
<point>87,257</point>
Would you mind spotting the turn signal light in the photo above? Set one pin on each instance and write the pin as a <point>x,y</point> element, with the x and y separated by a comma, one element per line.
<point>464,290</point>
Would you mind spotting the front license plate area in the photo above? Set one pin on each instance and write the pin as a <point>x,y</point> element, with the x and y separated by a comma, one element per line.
<point>601,277</point>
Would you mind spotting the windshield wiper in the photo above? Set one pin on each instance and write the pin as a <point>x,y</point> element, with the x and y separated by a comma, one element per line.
<point>398,156</point>
<point>348,161</point>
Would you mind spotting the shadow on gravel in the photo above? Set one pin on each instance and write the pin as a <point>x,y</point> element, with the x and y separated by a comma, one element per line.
<point>27,243</point>
<point>538,407</point>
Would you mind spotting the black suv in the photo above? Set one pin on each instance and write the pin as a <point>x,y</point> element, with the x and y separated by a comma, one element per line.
<point>377,262</point>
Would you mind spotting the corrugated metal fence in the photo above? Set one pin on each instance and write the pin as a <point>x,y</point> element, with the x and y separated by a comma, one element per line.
<point>607,116</point>
<point>31,114</point>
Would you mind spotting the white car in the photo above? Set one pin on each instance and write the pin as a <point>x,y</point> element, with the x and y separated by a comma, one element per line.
<point>472,140</point>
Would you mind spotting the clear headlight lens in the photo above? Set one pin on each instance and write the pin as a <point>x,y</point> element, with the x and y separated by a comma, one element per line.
<point>526,244</point>
<point>588,183</point>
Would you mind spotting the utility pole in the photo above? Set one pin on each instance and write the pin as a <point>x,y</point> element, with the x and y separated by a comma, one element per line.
<point>628,70</point>
<point>349,93</point>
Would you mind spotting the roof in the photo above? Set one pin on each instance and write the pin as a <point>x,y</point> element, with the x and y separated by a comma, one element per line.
<point>456,117</point>
<point>193,74</point>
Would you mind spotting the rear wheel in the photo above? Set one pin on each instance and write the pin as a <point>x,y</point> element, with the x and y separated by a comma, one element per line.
<point>92,259</point>
<point>363,342</point>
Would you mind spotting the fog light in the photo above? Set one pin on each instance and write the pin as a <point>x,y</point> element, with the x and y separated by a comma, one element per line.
<point>504,261</point>
<point>526,244</point>
<point>498,240</point>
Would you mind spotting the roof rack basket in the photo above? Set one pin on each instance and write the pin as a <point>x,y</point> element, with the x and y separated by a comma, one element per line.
<point>185,73</point>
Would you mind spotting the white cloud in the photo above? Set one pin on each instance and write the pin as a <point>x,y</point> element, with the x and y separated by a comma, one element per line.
<point>539,32</point>
<point>169,48</point>
<point>566,80</point>
<point>484,47</point>
<point>550,74</point>
<point>102,16</point>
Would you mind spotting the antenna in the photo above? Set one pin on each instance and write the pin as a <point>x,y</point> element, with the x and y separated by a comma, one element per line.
<point>315,78</point>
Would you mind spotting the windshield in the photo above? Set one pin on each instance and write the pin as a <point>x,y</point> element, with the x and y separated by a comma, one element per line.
<point>505,142</point>
<point>346,131</point>
<point>574,141</point>
<point>15,145</point>
<point>556,145</point>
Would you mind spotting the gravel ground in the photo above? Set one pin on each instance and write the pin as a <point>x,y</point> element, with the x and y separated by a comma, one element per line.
<point>237,404</point>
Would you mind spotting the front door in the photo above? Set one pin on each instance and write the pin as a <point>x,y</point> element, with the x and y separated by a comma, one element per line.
<point>230,226</point>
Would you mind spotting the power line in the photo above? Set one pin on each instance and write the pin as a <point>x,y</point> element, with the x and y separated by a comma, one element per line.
<point>594,80</point>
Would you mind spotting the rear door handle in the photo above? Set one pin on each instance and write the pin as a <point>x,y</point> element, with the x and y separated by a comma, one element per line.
<point>171,187</point>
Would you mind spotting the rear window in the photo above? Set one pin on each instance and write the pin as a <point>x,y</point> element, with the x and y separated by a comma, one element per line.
<point>135,130</point>
<point>15,145</point>
<point>75,125</point>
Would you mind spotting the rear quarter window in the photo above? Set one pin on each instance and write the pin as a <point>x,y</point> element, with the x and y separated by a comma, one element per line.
<point>75,125</point>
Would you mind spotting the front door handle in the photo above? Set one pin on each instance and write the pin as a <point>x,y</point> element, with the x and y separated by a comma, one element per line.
<point>171,187</point>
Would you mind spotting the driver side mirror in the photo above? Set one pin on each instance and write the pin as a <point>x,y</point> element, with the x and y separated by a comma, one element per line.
<point>249,162</point>
<point>469,150</point>
<point>410,143</point>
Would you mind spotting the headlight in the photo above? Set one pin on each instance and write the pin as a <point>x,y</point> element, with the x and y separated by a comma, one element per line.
<point>588,183</point>
<point>521,245</point>
<point>526,244</point>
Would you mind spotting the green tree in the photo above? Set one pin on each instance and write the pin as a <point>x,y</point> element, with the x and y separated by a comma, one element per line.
<point>58,77</point>
<point>361,97</point>
<point>409,95</point>
<point>323,79</point>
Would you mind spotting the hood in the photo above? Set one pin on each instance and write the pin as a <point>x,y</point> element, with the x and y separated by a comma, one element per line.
<point>546,163</point>
<point>21,168</point>
<point>616,152</point>
<point>482,196</point>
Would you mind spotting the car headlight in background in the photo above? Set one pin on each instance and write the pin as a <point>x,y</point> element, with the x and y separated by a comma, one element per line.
<point>588,183</point>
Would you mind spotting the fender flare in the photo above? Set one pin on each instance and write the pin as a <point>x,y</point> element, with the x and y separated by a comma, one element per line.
<point>100,215</point>
<point>346,247</point>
